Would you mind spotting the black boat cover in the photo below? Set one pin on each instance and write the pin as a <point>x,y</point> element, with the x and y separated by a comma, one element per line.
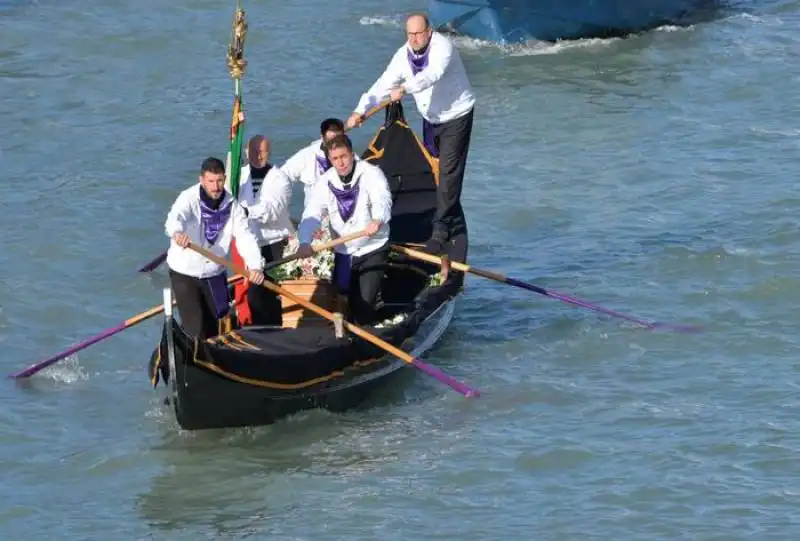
<point>297,359</point>
<point>412,175</point>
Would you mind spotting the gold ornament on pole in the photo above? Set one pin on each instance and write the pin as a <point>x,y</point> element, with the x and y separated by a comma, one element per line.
<point>236,61</point>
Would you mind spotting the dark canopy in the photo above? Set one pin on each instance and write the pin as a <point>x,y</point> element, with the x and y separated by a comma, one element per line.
<point>410,170</point>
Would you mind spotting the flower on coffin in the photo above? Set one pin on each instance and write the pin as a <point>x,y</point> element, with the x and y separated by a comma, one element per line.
<point>319,266</point>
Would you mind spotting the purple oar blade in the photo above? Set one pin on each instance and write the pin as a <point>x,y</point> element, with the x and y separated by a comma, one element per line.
<point>583,304</point>
<point>467,391</point>
<point>653,325</point>
<point>31,370</point>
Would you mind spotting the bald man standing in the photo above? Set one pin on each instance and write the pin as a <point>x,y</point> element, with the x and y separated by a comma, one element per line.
<point>265,193</point>
<point>429,68</point>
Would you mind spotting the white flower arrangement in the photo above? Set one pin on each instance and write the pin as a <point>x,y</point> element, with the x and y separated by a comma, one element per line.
<point>392,321</point>
<point>319,266</point>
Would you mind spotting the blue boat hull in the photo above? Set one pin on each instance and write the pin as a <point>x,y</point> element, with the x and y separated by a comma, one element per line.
<point>512,21</point>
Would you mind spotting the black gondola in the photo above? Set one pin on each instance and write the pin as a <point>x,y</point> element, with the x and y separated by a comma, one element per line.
<point>255,375</point>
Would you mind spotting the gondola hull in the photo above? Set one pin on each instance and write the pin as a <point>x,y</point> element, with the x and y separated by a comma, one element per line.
<point>204,399</point>
<point>256,375</point>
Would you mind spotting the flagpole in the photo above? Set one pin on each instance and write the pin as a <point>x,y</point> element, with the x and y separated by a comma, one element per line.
<point>236,66</point>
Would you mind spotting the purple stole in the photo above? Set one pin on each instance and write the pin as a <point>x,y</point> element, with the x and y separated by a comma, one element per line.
<point>418,62</point>
<point>218,285</point>
<point>322,163</point>
<point>345,199</point>
<point>342,263</point>
<point>342,271</point>
<point>213,220</point>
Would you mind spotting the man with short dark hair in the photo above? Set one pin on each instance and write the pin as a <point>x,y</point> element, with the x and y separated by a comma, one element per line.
<point>309,163</point>
<point>356,196</point>
<point>429,68</point>
<point>207,216</point>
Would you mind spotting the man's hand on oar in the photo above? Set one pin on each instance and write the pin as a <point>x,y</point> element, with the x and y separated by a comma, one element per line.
<point>653,325</point>
<point>315,248</point>
<point>358,331</point>
<point>356,120</point>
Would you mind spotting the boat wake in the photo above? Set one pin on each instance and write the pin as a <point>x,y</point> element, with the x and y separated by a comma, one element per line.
<point>393,21</point>
<point>529,48</point>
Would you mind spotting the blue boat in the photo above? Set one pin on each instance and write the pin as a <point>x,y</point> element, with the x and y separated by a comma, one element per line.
<point>514,21</point>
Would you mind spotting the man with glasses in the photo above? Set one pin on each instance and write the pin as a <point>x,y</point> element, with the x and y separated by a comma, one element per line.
<point>429,68</point>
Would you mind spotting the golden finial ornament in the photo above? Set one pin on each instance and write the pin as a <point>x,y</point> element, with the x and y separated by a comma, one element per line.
<point>236,61</point>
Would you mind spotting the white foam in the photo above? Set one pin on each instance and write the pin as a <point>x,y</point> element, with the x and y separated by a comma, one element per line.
<point>674,28</point>
<point>66,371</point>
<point>381,20</point>
<point>530,48</point>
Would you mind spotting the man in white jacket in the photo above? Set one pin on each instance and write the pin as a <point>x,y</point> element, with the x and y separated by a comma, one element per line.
<point>309,163</point>
<point>265,193</point>
<point>429,68</point>
<point>207,216</point>
<point>356,196</point>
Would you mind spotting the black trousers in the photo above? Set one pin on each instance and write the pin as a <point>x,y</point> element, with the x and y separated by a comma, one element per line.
<point>366,276</point>
<point>456,249</point>
<point>265,306</point>
<point>196,305</point>
<point>452,139</point>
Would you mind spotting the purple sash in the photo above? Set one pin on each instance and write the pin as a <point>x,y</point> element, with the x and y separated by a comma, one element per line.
<point>429,138</point>
<point>323,163</point>
<point>218,286</point>
<point>213,219</point>
<point>342,270</point>
<point>418,62</point>
<point>345,199</point>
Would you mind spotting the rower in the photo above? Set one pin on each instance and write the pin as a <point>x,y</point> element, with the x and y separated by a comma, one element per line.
<point>265,193</point>
<point>206,215</point>
<point>309,163</point>
<point>431,70</point>
<point>355,194</point>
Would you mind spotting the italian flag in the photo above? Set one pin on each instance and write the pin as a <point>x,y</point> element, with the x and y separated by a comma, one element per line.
<point>234,169</point>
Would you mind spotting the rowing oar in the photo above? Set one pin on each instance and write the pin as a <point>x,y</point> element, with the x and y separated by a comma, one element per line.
<point>542,291</point>
<point>317,248</point>
<point>159,259</point>
<point>128,323</point>
<point>153,265</point>
<point>358,331</point>
<point>372,111</point>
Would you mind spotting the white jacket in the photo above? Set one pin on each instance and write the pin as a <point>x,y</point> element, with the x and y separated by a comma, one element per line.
<point>184,217</point>
<point>441,90</point>
<point>303,166</point>
<point>374,203</point>
<point>268,211</point>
